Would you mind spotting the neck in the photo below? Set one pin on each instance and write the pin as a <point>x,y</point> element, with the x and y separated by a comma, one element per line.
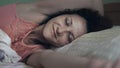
<point>38,32</point>
<point>35,37</point>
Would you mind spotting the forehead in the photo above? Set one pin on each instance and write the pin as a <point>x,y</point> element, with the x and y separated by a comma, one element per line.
<point>78,27</point>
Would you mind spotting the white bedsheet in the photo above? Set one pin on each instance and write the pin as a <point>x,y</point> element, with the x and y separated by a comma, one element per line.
<point>14,65</point>
<point>10,56</point>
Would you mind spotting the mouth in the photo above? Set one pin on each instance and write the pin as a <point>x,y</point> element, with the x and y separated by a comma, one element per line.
<point>54,32</point>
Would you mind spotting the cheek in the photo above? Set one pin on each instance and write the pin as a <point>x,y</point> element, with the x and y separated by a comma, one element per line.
<point>47,31</point>
<point>62,40</point>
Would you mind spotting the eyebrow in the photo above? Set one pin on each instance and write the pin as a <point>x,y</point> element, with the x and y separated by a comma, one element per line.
<point>71,33</point>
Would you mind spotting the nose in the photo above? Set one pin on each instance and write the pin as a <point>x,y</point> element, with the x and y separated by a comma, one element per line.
<point>61,31</point>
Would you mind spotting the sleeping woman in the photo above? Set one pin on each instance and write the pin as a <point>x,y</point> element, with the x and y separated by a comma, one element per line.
<point>33,32</point>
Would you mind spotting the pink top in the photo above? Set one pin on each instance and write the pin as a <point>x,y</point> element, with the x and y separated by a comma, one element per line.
<point>17,29</point>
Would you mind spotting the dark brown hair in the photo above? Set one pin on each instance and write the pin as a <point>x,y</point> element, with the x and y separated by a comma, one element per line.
<point>95,22</point>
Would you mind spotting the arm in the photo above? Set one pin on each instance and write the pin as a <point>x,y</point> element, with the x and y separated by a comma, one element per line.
<point>98,5</point>
<point>51,59</point>
<point>51,6</point>
<point>37,11</point>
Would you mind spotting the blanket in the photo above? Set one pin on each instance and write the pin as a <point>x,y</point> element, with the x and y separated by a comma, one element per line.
<point>7,54</point>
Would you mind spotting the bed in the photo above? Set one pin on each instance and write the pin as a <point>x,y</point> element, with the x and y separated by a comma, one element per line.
<point>96,44</point>
<point>104,44</point>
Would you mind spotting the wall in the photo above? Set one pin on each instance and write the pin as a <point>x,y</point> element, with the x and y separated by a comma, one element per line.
<point>110,1</point>
<point>2,2</point>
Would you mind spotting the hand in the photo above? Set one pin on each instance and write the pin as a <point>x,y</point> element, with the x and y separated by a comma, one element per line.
<point>35,58</point>
<point>96,63</point>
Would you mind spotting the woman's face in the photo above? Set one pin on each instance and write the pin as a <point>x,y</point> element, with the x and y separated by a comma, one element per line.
<point>64,29</point>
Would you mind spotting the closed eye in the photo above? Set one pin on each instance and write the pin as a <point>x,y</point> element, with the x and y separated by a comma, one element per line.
<point>70,37</point>
<point>68,21</point>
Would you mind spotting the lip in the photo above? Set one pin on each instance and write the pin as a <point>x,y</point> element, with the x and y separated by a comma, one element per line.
<point>54,32</point>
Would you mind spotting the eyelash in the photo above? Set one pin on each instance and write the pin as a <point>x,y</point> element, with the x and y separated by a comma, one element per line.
<point>67,22</point>
<point>69,37</point>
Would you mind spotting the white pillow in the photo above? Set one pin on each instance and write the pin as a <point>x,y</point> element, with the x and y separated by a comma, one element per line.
<point>103,44</point>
